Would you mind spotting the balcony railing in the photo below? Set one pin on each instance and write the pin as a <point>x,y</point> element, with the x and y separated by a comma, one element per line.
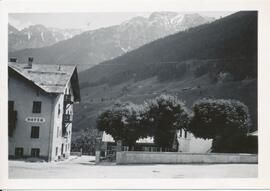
<point>67,99</point>
<point>67,118</point>
<point>64,132</point>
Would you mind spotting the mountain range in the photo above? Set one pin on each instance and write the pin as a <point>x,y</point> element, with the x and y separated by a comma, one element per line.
<point>230,37</point>
<point>95,46</point>
<point>189,56</point>
<point>36,36</point>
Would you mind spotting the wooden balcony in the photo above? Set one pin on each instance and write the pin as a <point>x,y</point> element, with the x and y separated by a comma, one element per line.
<point>67,118</point>
<point>64,132</point>
<point>67,99</point>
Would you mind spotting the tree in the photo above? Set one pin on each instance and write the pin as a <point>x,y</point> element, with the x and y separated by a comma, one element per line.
<point>225,121</point>
<point>85,141</point>
<point>165,115</point>
<point>123,122</point>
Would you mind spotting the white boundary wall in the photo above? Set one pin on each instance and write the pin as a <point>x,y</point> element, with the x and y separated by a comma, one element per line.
<point>135,157</point>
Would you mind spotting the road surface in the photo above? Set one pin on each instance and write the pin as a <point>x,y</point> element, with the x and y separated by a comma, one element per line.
<point>85,167</point>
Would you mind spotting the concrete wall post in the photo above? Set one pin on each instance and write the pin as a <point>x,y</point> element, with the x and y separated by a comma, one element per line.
<point>119,146</point>
<point>98,146</point>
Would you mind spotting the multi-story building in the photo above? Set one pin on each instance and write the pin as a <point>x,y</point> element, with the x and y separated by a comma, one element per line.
<point>40,109</point>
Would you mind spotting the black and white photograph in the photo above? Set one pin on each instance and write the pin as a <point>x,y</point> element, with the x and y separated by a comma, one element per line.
<point>158,94</point>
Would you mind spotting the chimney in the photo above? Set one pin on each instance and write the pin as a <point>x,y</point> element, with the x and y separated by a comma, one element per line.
<point>30,62</point>
<point>13,59</point>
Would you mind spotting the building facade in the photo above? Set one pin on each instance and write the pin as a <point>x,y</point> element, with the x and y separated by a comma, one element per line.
<point>40,109</point>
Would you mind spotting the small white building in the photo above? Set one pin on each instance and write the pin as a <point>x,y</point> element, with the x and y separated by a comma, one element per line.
<point>185,142</point>
<point>188,143</point>
<point>40,109</point>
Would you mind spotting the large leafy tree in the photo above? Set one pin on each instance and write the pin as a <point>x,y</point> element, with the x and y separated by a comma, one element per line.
<point>165,115</point>
<point>225,121</point>
<point>123,122</point>
<point>86,141</point>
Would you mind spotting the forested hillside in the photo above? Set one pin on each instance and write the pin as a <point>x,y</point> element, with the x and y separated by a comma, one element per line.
<point>233,37</point>
<point>216,60</point>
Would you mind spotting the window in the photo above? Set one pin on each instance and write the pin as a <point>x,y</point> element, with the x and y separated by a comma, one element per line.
<point>35,132</point>
<point>56,151</point>
<point>62,149</point>
<point>35,152</point>
<point>185,134</point>
<point>180,132</point>
<point>36,107</point>
<point>58,129</point>
<point>59,110</point>
<point>12,117</point>
<point>18,151</point>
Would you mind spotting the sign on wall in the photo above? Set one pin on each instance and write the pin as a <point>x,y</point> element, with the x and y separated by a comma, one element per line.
<point>35,119</point>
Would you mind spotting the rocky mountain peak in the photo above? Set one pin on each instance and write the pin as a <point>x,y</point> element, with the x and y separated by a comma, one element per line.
<point>92,47</point>
<point>36,36</point>
<point>162,15</point>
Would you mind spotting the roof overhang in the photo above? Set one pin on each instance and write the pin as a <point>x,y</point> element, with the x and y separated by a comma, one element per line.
<point>75,85</point>
<point>74,80</point>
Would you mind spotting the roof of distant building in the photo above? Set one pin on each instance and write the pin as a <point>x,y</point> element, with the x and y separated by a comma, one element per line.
<point>50,78</point>
<point>146,140</point>
<point>108,138</point>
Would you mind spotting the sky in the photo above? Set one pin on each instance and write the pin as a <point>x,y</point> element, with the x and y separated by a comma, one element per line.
<point>85,21</point>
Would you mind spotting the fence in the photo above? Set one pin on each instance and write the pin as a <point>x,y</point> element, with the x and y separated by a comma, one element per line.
<point>134,157</point>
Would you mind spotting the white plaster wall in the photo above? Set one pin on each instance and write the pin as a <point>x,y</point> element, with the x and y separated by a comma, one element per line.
<point>191,144</point>
<point>198,145</point>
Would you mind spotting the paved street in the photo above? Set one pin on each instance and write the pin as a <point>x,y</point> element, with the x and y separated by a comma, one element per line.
<point>84,167</point>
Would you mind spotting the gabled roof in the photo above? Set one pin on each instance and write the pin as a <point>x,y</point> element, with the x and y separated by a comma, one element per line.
<point>50,78</point>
